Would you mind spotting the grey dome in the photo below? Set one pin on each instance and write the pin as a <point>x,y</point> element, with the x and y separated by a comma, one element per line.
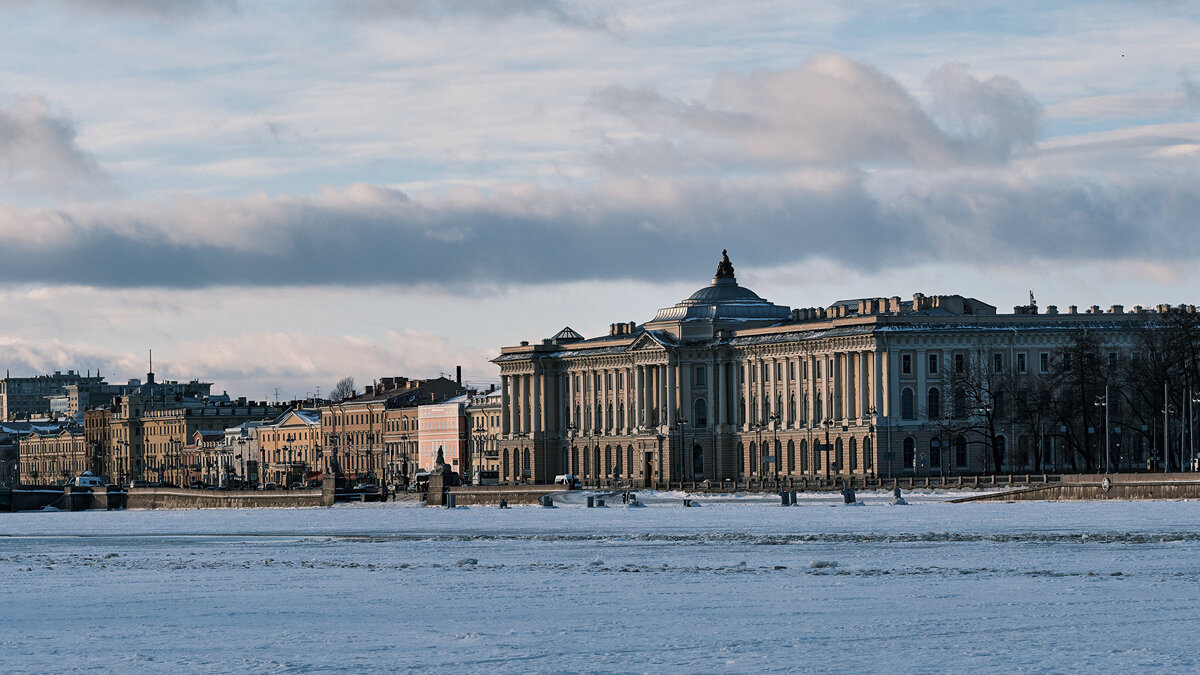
<point>723,301</point>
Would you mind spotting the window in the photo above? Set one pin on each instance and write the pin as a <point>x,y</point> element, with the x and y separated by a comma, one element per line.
<point>906,405</point>
<point>998,362</point>
<point>935,403</point>
<point>700,414</point>
<point>935,453</point>
<point>1021,362</point>
<point>701,377</point>
<point>868,462</point>
<point>1112,359</point>
<point>778,371</point>
<point>817,369</point>
<point>906,364</point>
<point>791,370</point>
<point>960,452</point>
<point>910,454</point>
<point>766,372</point>
<point>933,364</point>
<point>1044,362</point>
<point>960,363</point>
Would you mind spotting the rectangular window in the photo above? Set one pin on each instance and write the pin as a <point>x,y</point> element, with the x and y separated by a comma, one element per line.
<point>1044,362</point>
<point>933,364</point>
<point>960,363</point>
<point>1021,362</point>
<point>906,364</point>
<point>766,372</point>
<point>998,362</point>
<point>701,376</point>
<point>817,369</point>
<point>778,371</point>
<point>792,370</point>
<point>1112,359</point>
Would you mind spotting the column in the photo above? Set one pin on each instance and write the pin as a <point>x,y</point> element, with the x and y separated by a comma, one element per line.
<point>877,382</point>
<point>537,402</point>
<point>788,411</point>
<point>721,388</point>
<point>713,387</point>
<point>505,406</point>
<point>571,400</point>
<point>671,400</point>
<point>850,392</point>
<point>919,399</point>
<point>864,381</point>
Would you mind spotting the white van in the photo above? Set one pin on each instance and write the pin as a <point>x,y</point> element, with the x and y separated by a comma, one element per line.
<point>87,479</point>
<point>569,480</point>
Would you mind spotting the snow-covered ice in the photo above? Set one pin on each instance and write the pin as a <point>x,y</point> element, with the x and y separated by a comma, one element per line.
<point>741,585</point>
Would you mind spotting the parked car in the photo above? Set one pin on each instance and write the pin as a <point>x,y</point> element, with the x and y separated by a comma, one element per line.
<point>569,480</point>
<point>268,486</point>
<point>139,483</point>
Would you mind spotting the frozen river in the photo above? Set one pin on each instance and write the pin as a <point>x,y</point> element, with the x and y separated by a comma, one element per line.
<point>736,586</point>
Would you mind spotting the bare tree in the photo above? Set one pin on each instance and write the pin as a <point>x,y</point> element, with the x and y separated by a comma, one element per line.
<point>343,390</point>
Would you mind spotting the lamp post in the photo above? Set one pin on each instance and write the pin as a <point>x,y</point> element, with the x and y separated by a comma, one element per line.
<point>680,465</point>
<point>1102,401</point>
<point>775,444</point>
<point>826,423</point>
<point>572,429</point>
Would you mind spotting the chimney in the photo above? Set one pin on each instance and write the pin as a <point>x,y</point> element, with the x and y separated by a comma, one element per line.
<point>458,375</point>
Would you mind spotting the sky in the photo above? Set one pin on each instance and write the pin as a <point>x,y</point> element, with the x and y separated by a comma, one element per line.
<point>275,194</point>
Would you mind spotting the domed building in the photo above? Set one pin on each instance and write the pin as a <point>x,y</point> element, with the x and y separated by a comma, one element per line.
<point>726,385</point>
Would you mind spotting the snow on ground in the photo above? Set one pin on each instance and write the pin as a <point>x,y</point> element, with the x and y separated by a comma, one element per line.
<point>737,585</point>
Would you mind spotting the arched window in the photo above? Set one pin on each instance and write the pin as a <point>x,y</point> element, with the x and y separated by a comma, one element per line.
<point>960,452</point>
<point>960,403</point>
<point>621,416</point>
<point>505,471</point>
<point>934,403</point>
<point>766,409</point>
<point>608,461</point>
<point>910,453</point>
<point>599,418</point>
<point>526,467</point>
<point>741,449</point>
<point>1002,452</point>
<point>579,425</point>
<point>609,421</point>
<point>803,456</point>
<point>629,461</point>
<point>838,455</point>
<point>791,457</point>
<point>597,469</point>
<point>753,411</point>
<point>587,461</point>
<point>818,408</point>
<point>868,460</point>
<point>935,453</point>
<point>907,411</point>
<point>742,411</point>
<point>853,455</point>
<point>753,458</point>
<point>617,465</point>
<point>700,414</point>
<point>791,416</point>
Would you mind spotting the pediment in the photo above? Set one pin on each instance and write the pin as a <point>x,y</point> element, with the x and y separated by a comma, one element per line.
<point>648,342</point>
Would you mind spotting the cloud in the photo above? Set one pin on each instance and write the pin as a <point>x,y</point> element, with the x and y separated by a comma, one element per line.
<point>647,229</point>
<point>162,9</point>
<point>834,111</point>
<point>568,13</point>
<point>38,151</point>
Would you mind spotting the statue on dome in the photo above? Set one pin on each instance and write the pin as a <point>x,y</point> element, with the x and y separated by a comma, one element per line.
<point>724,268</point>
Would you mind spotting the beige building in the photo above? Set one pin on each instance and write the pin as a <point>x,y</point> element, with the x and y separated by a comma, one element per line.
<point>726,385</point>
<point>290,448</point>
<point>374,436</point>
<point>483,422</point>
<point>54,456</point>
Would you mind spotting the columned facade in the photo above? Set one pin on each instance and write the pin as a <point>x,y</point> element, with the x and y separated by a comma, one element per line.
<point>728,386</point>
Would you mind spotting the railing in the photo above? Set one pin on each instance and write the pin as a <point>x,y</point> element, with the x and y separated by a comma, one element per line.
<point>816,483</point>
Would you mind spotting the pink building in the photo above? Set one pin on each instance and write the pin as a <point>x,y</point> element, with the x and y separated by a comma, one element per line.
<point>443,426</point>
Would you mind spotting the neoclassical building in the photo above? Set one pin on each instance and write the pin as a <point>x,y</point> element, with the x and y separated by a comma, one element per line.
<point>727,385</point>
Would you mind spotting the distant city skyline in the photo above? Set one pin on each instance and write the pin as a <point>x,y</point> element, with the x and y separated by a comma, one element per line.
<point>274,195</point>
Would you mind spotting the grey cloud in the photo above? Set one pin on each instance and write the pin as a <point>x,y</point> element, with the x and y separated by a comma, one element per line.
<point>568,13</point>
<point>38,151</point>
<point>836,111</point>
<point>645,229</point>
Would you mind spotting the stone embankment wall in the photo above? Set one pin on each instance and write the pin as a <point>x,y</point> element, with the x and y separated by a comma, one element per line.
<point>181,498</point>
<point>491,496</point>
<point>1093,487</point>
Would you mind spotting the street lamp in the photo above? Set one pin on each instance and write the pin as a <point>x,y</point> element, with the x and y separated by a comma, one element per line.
<point>681,464</point>
<point>1102,401</point>
<point>775,444</point>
